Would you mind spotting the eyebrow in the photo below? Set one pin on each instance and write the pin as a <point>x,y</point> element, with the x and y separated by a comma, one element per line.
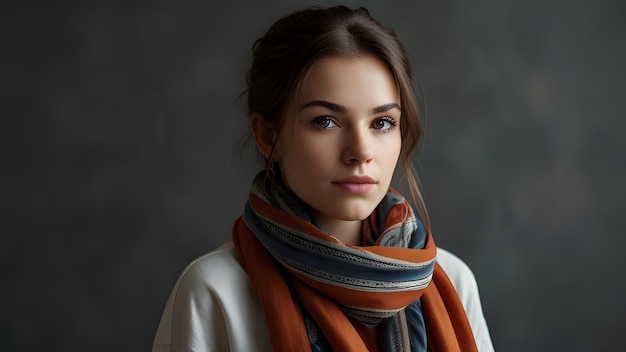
<point>386,107</point>
<point>340,108</point>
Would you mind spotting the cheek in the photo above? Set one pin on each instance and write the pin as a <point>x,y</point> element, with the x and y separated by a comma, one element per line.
<point>389,153</point>
<point>398,150</point>
<point>306,158</point>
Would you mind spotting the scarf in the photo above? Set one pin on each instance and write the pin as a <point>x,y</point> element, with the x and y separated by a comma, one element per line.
<point>320,294</point>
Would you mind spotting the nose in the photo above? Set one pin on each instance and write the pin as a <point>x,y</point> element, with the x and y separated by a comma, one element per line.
<point>357,147</point>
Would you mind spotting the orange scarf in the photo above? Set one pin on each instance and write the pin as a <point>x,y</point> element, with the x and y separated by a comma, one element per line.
<point>294,296</point>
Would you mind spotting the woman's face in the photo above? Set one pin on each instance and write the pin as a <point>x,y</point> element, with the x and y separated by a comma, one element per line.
<point>341,140</point>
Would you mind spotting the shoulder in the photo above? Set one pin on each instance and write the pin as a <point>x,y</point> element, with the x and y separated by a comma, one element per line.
<point>464,282</point>
<point>211,306</point>
<point>207,270</point>
<point>458,272</point>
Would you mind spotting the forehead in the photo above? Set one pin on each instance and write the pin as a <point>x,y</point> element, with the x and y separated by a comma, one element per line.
<point>354,82</point>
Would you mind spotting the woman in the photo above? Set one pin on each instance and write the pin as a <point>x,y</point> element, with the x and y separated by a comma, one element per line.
<point>326,256</point>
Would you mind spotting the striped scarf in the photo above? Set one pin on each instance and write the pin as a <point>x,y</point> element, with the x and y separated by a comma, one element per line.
<point>319,292</point>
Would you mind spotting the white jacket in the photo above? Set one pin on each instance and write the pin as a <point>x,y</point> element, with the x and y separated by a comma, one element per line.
<point>214,308</point>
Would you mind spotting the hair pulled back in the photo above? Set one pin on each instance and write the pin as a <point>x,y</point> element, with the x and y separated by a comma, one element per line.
<point>283,58</point>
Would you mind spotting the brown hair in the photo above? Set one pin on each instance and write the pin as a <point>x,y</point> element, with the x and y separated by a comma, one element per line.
<point>285,55</point>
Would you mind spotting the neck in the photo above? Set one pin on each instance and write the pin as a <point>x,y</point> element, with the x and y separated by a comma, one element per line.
<point>347,231</point>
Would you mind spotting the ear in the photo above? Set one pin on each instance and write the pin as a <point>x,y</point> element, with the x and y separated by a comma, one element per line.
<point>264,135</point>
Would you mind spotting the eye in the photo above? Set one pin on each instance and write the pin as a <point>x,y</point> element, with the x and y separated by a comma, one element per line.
<point>384,124</point>
<point>324,122</point>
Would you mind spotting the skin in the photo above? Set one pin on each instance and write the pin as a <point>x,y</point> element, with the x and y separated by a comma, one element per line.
<point>340,142</point>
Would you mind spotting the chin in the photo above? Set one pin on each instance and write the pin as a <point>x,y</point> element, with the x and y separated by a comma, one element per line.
<point>357,214</point>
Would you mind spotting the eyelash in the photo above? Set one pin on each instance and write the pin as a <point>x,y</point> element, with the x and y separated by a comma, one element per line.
<point>319,121</point>
<point>391,121</point>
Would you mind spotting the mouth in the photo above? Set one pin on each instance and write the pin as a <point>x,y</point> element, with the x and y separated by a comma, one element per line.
<point>356,184</point>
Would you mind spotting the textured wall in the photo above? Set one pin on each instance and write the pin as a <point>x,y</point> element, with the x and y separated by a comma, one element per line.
<point>121,159</point>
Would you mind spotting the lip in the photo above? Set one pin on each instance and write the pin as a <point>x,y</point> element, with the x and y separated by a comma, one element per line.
<point>356,184</point>
<point>356,179</point>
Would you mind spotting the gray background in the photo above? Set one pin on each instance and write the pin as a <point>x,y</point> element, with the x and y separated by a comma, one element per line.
<point>122,159</point>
